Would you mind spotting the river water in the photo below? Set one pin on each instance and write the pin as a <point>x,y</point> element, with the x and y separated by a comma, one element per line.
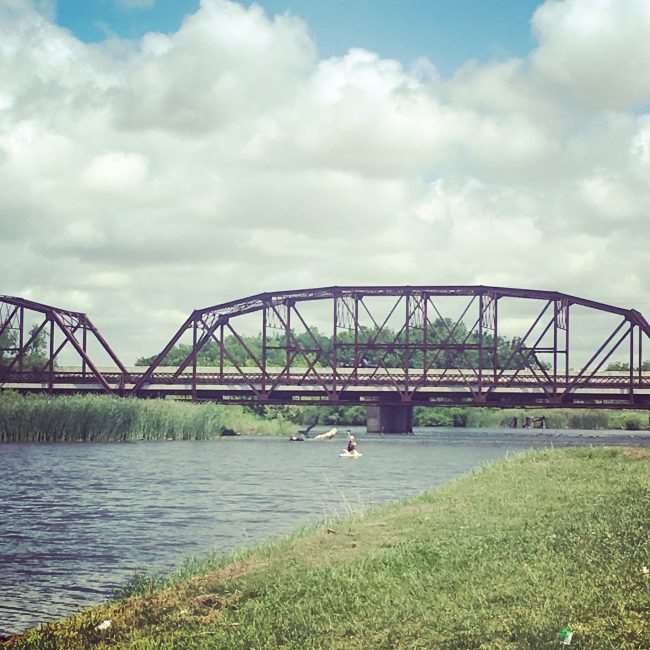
<point>77,521</point>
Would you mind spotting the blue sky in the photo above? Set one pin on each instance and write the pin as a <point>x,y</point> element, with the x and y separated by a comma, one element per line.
<point>449,32</point>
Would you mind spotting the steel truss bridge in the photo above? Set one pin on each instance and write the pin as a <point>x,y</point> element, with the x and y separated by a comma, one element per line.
<point>465,364</point>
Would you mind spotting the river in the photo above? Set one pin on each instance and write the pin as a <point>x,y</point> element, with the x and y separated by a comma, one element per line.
<point>77,521</point>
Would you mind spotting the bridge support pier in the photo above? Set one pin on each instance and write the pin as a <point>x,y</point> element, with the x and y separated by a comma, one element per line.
<point>389,419</point>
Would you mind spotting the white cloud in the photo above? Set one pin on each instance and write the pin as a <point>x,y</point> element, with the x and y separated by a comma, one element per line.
<point>116,172</point>
<point>596,49</point>
<point>143,179</point>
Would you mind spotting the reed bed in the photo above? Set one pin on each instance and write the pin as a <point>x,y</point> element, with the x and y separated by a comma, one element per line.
<point>95,418</point>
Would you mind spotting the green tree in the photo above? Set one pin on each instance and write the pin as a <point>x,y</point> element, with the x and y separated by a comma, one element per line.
<point>7,343</point>
<point>622,366</point>
<point>35,356</point>
<point>458,349</point>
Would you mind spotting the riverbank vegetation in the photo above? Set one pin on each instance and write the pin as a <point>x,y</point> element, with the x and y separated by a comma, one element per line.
<point>505,557</point>
<point>470,417</point>
<point>554,418</point>
<point>98,418</point>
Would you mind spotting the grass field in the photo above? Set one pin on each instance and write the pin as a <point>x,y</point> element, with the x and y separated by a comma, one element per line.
<point>504,557</point>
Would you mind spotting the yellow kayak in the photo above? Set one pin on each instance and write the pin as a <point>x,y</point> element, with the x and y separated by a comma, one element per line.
<point>350,454</point>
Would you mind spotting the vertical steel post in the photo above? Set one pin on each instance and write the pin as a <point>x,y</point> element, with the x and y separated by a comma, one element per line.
<point>640,356</point>
<point>84,345</point>
<point>555,315</point>
<point>480,342</point>
<point>288,339</point>
<point>425,335</point>
<point>406,356</point>
<point>51,380</point>
<point>264,324</point>
<point>356,336</point>
<point>221,342</point>
<point>495,333</point>
<point>21,336</point>
<point>567,343</point>
<point>194,355</point>
<point>631,388</point>
<point>333,358</point>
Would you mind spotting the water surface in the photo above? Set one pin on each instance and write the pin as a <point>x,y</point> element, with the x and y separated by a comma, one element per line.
<point>79,520</point>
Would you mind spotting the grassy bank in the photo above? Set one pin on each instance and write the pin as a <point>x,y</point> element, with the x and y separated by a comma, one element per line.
<point>502,558</point>
<point>38,418</point>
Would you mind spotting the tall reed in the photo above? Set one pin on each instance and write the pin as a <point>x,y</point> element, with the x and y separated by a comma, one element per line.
<point>97,418</point>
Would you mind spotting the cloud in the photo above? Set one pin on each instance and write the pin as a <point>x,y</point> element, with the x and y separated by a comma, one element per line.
<point>115,172</point>
<point>597,50</point>
<point>225,66</point>
<point>145,178</point>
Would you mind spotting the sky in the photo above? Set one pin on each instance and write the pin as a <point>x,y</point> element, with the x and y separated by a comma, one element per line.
<point>162,155</point>
<point>448,32</point>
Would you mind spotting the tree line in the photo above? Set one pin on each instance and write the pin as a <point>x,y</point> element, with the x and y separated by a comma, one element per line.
<point>317,348</point>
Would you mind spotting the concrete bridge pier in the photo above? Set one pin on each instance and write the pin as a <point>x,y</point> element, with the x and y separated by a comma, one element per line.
<point>389,419</point>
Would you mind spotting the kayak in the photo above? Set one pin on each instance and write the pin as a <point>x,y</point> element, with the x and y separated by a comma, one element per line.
<point>328,435</point>
<point>350,454</point>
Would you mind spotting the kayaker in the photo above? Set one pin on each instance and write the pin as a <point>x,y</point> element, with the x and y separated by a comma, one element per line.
<point>352,443</point>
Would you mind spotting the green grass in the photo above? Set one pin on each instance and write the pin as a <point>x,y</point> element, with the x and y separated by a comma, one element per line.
<point>500,558</point>
<point>556,418</point>
<point>95,418</point>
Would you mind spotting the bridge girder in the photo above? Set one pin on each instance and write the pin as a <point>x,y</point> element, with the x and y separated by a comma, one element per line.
<point>210,325</point>
<point>409,363</point>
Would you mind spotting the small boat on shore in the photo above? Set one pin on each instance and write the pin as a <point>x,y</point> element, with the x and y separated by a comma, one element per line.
<point>328,435</point>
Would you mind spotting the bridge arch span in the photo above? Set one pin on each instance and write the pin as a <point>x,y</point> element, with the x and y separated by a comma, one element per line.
<point>502,347</point>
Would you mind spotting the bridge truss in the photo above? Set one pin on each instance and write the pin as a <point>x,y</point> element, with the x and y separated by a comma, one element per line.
<point>386,345</point>
<point>466,365</point>
<point>32,337</point>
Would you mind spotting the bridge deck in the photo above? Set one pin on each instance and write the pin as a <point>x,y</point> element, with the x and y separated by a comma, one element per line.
<point>361,385</point>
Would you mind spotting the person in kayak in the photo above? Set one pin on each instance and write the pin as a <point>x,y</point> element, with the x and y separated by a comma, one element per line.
<point>352,443</point>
